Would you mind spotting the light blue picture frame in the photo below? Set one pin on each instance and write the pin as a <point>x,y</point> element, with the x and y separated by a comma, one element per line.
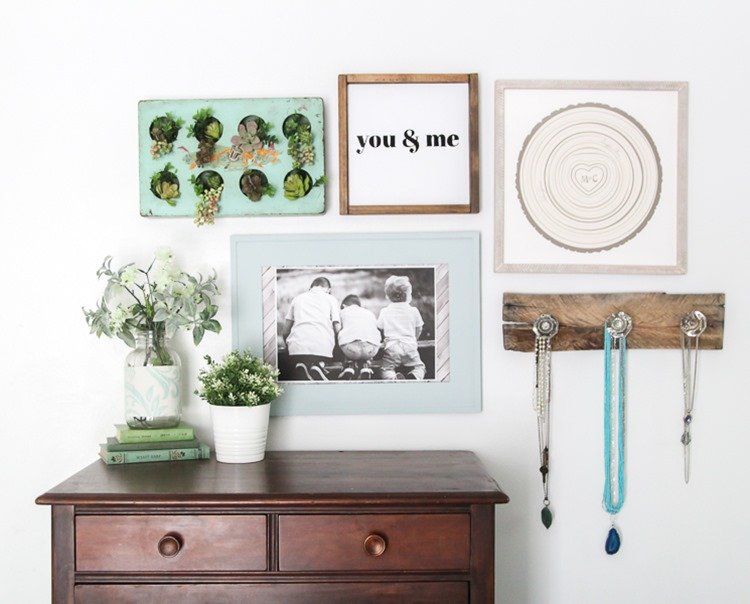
<point>462,393</point>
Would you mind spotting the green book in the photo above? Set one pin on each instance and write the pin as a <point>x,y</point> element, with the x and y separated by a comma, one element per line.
<point>128,435</point>
<point>112,445</point>
<point>118,457</point>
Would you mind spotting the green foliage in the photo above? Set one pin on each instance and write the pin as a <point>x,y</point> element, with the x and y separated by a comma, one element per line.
<point>205,126</point>
<point>214,180</point>
<point>214,130</point>
<point>202,115</point>
<point>159,298</point>
<point>178,121</point>
<point>297,185</point>
<point>291,125</point>
<point>197,185</point>
<point>300,146</point>
<point>264,133</point>
<point>206,181</point>
<point>165,184</point>
<point>165,127</point>
<point>239,380</point>
<point>156,177</point>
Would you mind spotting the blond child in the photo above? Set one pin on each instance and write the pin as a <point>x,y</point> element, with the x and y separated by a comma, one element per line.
<point>401,325</point>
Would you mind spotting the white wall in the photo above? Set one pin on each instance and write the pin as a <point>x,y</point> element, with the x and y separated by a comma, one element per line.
<point>72,74</point>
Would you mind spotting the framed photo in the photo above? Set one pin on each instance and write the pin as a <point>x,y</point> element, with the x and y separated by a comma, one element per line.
<point>362,323</point>
<point>231,157</point>
<point>591,177</point>
<point>408,144</point>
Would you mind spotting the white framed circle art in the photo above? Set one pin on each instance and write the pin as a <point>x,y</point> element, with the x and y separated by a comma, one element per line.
<point>590,177</point>
<point>601,177</point>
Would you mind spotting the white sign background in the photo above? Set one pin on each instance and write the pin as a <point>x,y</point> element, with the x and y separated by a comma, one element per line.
<point>656,244</point>
<point>394,176</point>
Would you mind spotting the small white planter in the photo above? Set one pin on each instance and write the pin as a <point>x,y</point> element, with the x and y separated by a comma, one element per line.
<point>240,433</point>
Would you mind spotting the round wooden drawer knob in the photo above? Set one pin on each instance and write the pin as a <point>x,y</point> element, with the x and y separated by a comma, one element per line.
<point>375,544</point>
<point>170,545</point>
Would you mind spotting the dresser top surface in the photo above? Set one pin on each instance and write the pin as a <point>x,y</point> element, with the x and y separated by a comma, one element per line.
<point>288,478</point>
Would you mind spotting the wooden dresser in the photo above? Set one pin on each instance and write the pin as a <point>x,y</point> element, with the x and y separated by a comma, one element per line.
<point>334,527</point>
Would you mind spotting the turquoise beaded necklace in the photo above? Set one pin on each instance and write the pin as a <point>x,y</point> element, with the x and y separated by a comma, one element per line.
<point>616,330</point>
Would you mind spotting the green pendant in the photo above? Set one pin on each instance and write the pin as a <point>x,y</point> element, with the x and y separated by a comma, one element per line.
<point>546,517</point>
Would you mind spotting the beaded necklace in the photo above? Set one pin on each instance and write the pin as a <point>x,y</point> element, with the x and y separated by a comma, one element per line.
<point>616,329</point>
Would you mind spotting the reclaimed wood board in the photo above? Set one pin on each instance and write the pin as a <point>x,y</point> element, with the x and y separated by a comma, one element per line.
<point>656,319</point>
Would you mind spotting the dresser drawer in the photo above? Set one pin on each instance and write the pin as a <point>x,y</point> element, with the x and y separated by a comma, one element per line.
<point>374,542</point>
<point>278,593</point>
<point>170,543</point>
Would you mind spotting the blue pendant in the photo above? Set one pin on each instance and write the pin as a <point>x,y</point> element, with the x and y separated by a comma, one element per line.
<point>612,545</point>
<point>546,517</point>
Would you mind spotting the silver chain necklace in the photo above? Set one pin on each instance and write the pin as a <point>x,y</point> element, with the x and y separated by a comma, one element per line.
<point>692,326</point>
<point>545,328</point>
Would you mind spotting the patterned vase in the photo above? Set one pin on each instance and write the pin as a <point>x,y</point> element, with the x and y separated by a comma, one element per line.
<point>152,382</point>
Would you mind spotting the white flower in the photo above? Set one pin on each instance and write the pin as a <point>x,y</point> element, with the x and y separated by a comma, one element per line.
<point>164,255</point>
<point>117,318</point>
<point>128,275</point>
<point>163,279</point>
<point>189,289</point>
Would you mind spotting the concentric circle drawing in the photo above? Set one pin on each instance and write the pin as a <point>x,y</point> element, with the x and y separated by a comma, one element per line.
<point>589,177</point>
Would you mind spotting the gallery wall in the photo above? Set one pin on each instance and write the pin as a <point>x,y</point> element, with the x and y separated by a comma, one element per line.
<point>72,75</point>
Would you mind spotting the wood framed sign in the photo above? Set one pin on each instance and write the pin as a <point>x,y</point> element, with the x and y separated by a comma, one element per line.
<point>408,144</point>
<point>591,177</point>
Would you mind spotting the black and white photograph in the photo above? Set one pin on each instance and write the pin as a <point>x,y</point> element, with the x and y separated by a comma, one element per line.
<point>421,290</point>
<point>339,324</point>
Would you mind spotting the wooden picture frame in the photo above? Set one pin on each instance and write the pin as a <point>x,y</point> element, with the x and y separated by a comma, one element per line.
<point>626,142</point>
<point>259,302</point>
<point>422,137</point>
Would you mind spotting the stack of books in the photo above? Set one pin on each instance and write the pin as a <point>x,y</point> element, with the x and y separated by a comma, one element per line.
<point>131,445</point>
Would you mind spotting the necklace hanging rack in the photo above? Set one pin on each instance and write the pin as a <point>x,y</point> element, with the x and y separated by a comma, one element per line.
<point>692,327</point>
<point>616,330</point>
<point>545,328</point>
<point>657,314</point>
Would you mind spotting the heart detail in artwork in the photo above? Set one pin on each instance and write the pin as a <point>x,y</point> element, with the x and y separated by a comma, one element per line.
<point>589,178</point>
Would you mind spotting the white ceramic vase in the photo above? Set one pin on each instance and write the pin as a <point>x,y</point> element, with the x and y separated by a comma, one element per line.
<point>240,433</point>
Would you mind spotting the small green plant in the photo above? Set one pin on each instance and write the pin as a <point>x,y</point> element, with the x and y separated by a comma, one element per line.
<point>298,183</point>
<point>239,380</point>
<point>254,185</point>
<point>253,134</point>
<point>163,131</point>
<point>165,184</point>
<point>208,186</point>
<point>300,140</point>
<point>207,130</point>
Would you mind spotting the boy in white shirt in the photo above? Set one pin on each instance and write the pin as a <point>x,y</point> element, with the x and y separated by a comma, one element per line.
<point>401,325</point>
<point>310,329</point>
<point>359,339</point>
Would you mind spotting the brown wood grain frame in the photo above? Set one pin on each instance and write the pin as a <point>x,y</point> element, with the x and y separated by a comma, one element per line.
<point>656,319</point>
<point>472,204</point>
